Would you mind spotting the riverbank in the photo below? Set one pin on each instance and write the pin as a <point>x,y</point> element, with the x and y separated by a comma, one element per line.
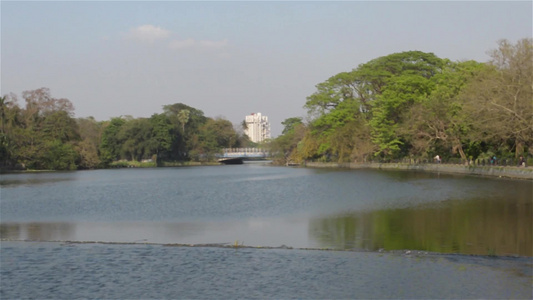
<point>121,165</point>
<point>493,171</point>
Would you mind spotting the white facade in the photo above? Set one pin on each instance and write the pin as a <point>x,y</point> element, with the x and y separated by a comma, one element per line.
<point>258,127</point>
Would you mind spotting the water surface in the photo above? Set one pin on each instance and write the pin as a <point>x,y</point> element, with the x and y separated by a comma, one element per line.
<point>96,271</point>
<point>392,223</point>
<point>260,205</point>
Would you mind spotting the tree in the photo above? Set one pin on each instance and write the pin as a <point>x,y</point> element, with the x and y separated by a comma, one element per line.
<point>183,117</point>
<point>499,101</point>
<point>58,156</point>
<point>214,135</point>
<point>183,141</point>
<point>162,136</point>
<point>375,97</point>
<point>196,116</point>
<point>409,80</point>
<point>90,134</point>
<point>289,124</point>
<point>135,139</point>
<point>440,123</point>
<point>284,148</point>
<point>326,129</point>
<point>111,144</point>
<point>3,108</point>
<point>61,126</point>
<point>10,126</point>
<point>40,127</point>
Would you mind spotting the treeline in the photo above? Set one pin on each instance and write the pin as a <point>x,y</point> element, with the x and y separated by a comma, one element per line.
<point>44,135</point>
<point>417,105</point>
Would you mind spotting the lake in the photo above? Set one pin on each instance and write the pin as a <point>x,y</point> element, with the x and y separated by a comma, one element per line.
<point>399,221</point>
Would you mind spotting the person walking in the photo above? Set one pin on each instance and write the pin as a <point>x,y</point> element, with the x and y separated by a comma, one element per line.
<point>522,162</point>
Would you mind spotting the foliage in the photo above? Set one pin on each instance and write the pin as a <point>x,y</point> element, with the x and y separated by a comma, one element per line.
<point>90,134</point>
<point>409,104</point>
<point>44,135</point>
<point>289,124</point>
<point>110,145</point>
<point>214,135</point>
<point>415,104</point>
<point>58,156</point>
<point>284,148</point>
<point>440,122</point>
<point>500,100</point>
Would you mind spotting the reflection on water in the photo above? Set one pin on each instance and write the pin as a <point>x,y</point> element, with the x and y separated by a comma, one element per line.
<point>273,206</point>
<point>104,232</point>
<point>33,179</point>
<point>252,232</point>
<point>38,231</point>
<point>462,227</point>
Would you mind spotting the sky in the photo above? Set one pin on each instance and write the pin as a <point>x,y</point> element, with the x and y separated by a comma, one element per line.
<point>229,59</point>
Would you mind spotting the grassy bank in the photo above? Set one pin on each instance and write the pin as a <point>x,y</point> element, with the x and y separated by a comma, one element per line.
<point>494,171</point>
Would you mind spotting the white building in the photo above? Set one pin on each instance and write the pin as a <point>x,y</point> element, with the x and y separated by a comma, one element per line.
<point>258,127</point>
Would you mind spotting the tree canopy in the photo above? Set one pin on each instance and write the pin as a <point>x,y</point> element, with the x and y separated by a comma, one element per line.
<point>415,104</point>
<point>403,105</point>
<point>44,135</point>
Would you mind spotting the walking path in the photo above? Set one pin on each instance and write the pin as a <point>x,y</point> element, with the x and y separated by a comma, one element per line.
<point>495,171</point>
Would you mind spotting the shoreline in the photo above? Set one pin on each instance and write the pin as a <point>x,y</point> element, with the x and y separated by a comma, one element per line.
<point>490,171</point>
<point>509,172</point>
<point>236,245</point>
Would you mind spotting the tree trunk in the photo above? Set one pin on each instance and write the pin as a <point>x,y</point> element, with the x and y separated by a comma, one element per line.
<point>519,149</point>
<point>458,147</point>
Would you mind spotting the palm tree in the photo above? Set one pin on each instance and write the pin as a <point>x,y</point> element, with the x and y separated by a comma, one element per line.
<point>183,117</point>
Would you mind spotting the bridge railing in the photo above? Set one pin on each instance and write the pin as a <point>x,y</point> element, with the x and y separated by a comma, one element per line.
<point>244,152</point>
<point>247,150</point>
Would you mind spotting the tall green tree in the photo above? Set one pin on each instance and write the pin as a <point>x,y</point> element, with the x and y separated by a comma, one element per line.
<point>183,117</point>
<point>10,130</point>
<point>135,139</point>
<point>58,156</point>
<point>407,80</point>
<point>162,136</point>
<point>375,96</point>
<point>440,123</point>
<point>43,124</point>
<point>90,134</point>
<point>185,139</point>
<point>111,144</point>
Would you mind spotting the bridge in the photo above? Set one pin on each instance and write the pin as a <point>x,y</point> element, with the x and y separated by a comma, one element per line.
<point>237,155</point>
<point>250,153</point>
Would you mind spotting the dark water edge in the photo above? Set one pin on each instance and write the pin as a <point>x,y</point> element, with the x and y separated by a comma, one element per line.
<point>135,271</point>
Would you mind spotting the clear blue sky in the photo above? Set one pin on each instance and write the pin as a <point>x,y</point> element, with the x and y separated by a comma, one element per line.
<point>228,58</point>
